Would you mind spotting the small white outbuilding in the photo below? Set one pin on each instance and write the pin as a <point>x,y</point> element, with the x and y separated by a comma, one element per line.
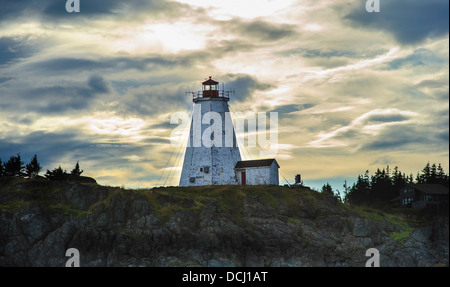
<point>257,172</point>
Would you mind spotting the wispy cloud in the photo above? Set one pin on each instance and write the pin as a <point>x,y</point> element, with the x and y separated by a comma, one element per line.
<point>352,89</point>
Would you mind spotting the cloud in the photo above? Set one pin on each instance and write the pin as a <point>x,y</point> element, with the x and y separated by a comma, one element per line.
<point>409,21</point>
<point>13,49</point>
<point>258,29</point>
<point>55,99</point>
<point>66,147</point>
<point>367,127</point>
<point>58,65</point>
<point>244,85</point>
<point>153,100</point>
<point>407,137</point>
<point>98,84</point>
<point>56,9</point>
<point>289,111</point>
<point>420,57</point>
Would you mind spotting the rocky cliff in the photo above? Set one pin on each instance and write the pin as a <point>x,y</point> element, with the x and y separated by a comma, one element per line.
<point>206,226</point>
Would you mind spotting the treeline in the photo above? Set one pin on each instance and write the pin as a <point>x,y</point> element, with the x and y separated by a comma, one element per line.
<point>384,185</point>
<point>17,168</point>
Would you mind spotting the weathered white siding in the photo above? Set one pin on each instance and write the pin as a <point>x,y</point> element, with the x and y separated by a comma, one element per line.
<point>262,175</point>
<point>218,161</point>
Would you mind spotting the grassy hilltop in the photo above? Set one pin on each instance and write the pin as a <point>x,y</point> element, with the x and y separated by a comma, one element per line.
<point>203,226</point>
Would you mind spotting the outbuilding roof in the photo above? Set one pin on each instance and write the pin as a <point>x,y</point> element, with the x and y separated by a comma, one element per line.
<point>256,163</point>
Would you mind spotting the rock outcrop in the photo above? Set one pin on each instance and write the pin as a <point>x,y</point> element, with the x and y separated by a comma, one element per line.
<point>203,226</point>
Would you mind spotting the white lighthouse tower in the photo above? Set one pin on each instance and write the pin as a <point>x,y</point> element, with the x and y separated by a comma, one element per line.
<point>212,152</point>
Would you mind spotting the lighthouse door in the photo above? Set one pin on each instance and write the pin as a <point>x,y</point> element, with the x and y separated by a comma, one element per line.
<point>243,178</point>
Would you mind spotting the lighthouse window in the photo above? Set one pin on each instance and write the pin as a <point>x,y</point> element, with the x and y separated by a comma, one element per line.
<point>192,179</point>
<point>201,169</point>
<point>206,169</point>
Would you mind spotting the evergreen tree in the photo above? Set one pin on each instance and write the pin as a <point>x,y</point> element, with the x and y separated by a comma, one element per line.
<point>433,174</point>
<point>442,178</point>
<point>426,174</point>
<point>76,171</point>
<point>359,193</point>
<point>326,188</point>
<point>56,174</point>
<point>14,166</point>
<point>381,186</point>
<point>33,168</point>
<point>1,168</point>
<point>399,180</point>
<point>410,179</point>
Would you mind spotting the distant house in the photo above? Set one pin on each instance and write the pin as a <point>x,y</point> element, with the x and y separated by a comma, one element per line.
<point>421,195</point>
<point>257,172</point>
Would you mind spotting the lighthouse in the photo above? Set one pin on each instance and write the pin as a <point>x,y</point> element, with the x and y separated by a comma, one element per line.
<point>212,151</point>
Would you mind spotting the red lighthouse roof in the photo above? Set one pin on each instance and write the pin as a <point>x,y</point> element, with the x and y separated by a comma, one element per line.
<point>210,82</point>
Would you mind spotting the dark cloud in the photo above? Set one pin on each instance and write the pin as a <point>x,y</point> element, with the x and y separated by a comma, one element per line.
<point>56,9</point>
<point>327,53</point>
<point>388,118</point>
<point>151,62</point>
<point>52,148</point>
<point>124,63</point>
<point>409,21</point>
<point>409,137</point>
<point>3,80</point>
<point>98,85</point>
<point>243,85</point>
<point>55,99</point>
<point>11,9</point>
<point>433,83</point>
<point>420,57</point>
<point>12,49</point>
<point>153,100</point>
<point>258,29</point>
<point>287,111</point>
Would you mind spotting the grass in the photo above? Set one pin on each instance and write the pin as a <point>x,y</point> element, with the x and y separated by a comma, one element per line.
<point>65,210</point>
<point>403,223</point>
<point>13,206</point>
<point>309,195</point>
<point>293,221</point>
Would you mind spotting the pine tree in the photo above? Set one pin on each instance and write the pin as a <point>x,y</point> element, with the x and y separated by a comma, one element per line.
<point>411,178</point>
<point>381,186</point>
<point>399,180</point>
<point>359,193</point>
<point>76,171</point>
<point>433,174</point>
<point>326,188</point>
<point>442,178</point>
<point>426,174</point>
<point>33,168</point>
<point>14,166</point>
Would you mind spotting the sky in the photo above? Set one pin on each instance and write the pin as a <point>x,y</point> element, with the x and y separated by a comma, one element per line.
<point>354,91</point>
